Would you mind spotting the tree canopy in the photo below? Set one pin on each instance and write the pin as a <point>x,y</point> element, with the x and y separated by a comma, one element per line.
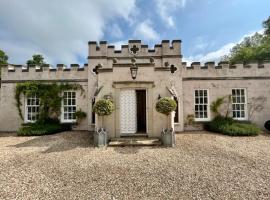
<point>3,59</point>
<point>37,59</point>
<point>252,48</point>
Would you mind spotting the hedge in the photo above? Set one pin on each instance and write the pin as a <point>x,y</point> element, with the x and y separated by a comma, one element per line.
<point>228,126</point>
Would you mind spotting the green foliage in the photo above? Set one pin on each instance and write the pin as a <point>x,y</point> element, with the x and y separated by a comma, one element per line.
<point>266,26</point>
<point>103,107</point>
<point>80,115</point>
<point>256,47</point>
<point>37,129</point>
<point>189,120</point>
<point>228,126</point>
<point>215,105</point>
<point>3,59</point>
<point>49,95</point>
<point>37,59</point>
<point>166,105</point>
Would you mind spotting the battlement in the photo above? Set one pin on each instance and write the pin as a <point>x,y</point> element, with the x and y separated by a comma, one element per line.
<point>226,65</point>
<point>224,69</point>
<point>45,67</point>
<point>134,48</point>
<point>46,72</point>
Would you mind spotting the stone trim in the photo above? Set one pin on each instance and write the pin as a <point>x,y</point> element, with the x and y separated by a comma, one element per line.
<point>161,69</point>
<point>127,84</point>
<point>130,64</point>
<point>225,78</point>
<point>51,80</point>
<point>101,70</point>
<point>129,57</point>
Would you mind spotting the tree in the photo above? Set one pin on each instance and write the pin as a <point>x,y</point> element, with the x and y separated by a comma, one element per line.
<point>3,59</point>
<point>255,47</point>
<point>37,59</point>
<point>266,26</point>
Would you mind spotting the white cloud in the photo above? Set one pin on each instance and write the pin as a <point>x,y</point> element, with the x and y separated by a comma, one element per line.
<point>116,31</point>
<point>145,31</point>
<point>219,53</point>
<point>165,9</point>
<point>59,29</point>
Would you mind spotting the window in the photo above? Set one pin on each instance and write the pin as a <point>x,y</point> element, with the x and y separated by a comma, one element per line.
<point>201,105</point>
<point>176,118</point>
<point>31,108</point>
<point>69,106</point>
<point>239,104</point>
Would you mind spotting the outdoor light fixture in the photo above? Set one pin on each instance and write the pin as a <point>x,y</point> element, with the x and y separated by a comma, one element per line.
<point>133,71</point>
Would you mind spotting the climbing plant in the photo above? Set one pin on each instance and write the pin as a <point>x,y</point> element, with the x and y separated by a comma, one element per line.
<point>49,95</point>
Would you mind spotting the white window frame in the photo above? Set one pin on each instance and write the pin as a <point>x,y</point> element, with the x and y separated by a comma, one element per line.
<point>63,120</point>
<point>26,120</point>
<point>208,106</point>
<point>245,105</point>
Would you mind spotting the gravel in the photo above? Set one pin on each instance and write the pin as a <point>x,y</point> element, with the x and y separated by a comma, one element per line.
<point>67,166</point>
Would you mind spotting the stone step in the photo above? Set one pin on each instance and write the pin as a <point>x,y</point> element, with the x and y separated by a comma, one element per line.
<point>134,142</point>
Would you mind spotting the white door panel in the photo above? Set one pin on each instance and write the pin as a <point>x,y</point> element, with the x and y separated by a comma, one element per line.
<point>128,112</point>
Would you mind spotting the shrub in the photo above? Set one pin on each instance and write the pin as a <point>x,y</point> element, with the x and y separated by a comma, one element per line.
<point>228,126</point>
<point>37,129</point>
<point>103,107</point>
<point>166,105</point>
<point>80,115</point>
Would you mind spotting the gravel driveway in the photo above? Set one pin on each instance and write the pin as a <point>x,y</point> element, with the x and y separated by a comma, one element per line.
<point>202,166</point>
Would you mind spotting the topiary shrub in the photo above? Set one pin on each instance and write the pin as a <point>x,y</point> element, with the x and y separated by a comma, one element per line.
<point>166,105</point>
<point>267,125</point>
<point>103,107</point>
<point>228,126</point>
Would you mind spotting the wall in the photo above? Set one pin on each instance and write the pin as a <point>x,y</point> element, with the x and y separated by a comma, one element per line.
<point>222,78</point>
<point>11,75</point>
<point>153,75</point>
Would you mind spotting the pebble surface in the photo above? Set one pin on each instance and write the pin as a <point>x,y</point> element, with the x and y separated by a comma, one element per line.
<point>201,166</point>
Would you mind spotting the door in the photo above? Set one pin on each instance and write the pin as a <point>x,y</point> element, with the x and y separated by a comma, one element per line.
<point>128,112</point>
<point>141,111</point>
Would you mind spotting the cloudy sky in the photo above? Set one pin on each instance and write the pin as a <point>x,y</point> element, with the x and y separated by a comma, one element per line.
<point>60,29</point>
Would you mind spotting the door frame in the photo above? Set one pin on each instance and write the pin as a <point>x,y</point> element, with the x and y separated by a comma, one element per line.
<point>138,85</point>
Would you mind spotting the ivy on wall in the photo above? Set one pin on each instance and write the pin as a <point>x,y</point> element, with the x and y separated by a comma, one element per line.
<point>49,94</point>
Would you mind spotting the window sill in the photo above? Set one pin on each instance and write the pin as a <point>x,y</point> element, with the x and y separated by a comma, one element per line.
<point>202,120</point>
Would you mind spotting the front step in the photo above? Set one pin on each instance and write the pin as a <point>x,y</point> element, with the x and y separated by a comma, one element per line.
<point>134,141</point>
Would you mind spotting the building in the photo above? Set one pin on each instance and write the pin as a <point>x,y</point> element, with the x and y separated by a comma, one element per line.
<point>160,73</point>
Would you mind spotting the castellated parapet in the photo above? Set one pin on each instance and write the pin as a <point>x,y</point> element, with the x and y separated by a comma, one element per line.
<point>224,70</point>
<point>46,72</point>
<point>165,49</point>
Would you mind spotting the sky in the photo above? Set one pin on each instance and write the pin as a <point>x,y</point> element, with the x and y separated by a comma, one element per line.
<point>60,29</point>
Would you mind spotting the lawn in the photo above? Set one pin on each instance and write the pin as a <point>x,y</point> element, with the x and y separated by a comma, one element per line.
<point>67,166</point>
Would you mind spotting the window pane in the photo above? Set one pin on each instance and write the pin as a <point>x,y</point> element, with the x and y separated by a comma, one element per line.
<point>196,93</point>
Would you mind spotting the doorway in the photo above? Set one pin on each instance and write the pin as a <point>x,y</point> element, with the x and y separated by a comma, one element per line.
<point>132,112</point>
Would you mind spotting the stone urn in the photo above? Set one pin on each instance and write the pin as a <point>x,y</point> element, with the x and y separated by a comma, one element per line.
<point>101,138</point>
<point>168,137</point>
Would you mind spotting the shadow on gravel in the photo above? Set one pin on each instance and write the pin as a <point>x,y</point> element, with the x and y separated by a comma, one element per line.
<point>9,134</point>
<point>60,142</point>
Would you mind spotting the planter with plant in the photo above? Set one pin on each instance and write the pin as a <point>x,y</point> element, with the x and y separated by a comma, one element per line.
<point>165,106</point>
<point>102,108</point>
<point>80,115</point>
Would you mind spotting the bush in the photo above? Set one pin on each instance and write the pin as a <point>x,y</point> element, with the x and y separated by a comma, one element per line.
<point>37,129</point>
<point>166,105</point>
<point>228,126</point>
<point>103,107</point>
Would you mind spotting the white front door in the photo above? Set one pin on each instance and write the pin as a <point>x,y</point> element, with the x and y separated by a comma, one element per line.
<point>128,112</point>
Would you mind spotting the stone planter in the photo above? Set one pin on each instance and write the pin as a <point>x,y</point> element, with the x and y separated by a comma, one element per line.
<point>100,138</point>
<point>168,137</point>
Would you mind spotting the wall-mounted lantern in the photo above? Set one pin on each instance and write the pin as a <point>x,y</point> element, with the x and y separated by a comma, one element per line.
<point>133,71</point>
